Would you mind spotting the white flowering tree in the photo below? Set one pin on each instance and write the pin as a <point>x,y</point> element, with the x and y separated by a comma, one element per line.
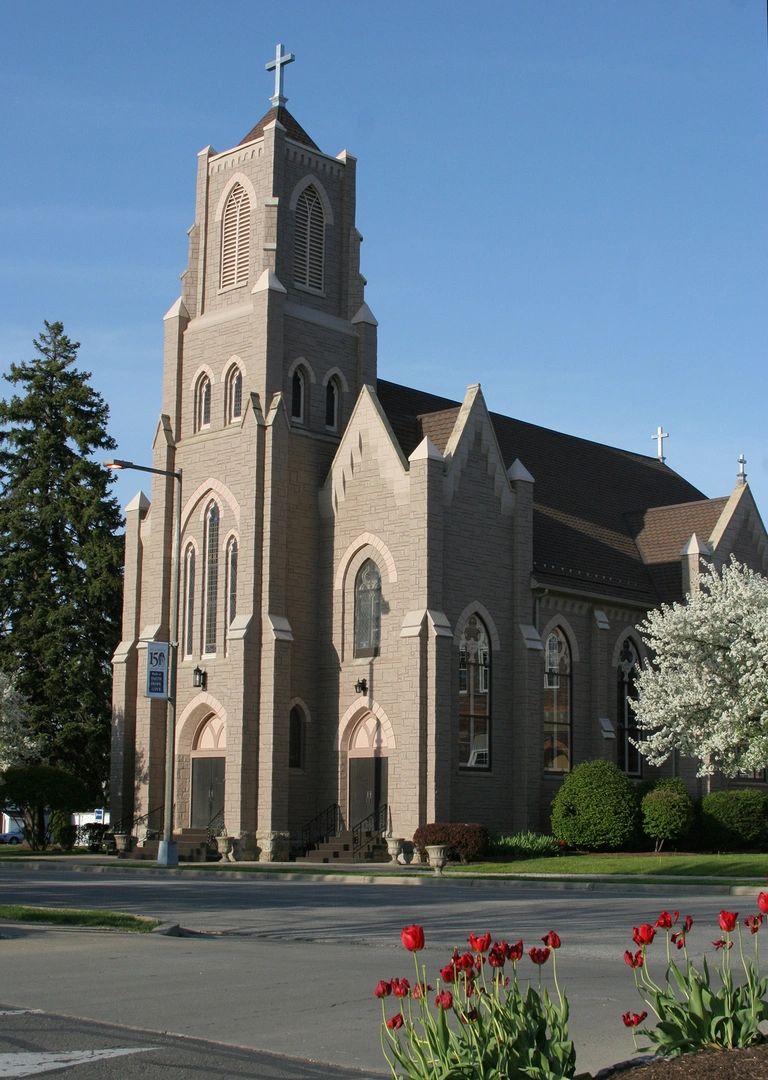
<point>18,745</point>
<point>705,692</point>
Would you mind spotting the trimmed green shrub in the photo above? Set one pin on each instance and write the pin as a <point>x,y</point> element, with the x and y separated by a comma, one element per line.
<point>668,812</point>
<point>63,832</point>
<point>736,819</point>
<point>596,808</point>
<point>465,843</point>
<point>527,845</point>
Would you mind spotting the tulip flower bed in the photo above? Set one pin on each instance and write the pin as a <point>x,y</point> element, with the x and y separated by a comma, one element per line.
<point>484,1024</point>
<point>480,1021</point>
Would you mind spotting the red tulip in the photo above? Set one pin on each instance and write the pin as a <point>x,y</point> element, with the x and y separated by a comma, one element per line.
<point>497,955</point>
<point>551,940</point>
<point>753,923</point>
<point>634,960</point>
<point>667,919</point>
<point>721,943</point>
<point>633,1019</point>
<point>464,962</point>
<point>383,989</point>
<point>762,902</point>
<point>539,956</point>
<point>395,1022</point>
<point>688,924</point>
<point>678,939</point>
<point>400,987</point>
<point>643,934</point>
<point>412,938</point>
<point>448,973</point>
<point>444,1000</point>
<point>420,990</point>
<point>515,952</point>
<point>480,944</point>
<point>728,920</point>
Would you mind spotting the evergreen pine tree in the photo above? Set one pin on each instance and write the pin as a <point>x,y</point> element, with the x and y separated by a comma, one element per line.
<point>60,557</point>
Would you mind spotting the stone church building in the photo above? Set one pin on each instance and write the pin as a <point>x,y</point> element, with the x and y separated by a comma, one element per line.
<point>390,603</point>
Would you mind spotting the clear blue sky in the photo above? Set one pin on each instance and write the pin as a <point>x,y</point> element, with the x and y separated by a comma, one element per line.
<point>564,200</point>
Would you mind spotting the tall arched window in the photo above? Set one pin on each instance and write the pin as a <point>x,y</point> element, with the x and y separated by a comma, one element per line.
<point>296,739</point>
<point>626,721</point>
<point>474,696</point>
<point>235,238</point>
<point>189,600</point>
<point>298,395</point>
<point>332,405</point>
<point>367,610</point>
<point>211,578</point>
<point>234,395</point>
<point>202,403</point>
<point>557,703</point>
<point>231,580</point>
<point>309,241</point>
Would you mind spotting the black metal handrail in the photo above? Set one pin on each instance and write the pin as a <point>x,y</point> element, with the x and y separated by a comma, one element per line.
<point>322,827</point>
<point>130,823</point>
<point>215,828</point>
<point>376,823</point>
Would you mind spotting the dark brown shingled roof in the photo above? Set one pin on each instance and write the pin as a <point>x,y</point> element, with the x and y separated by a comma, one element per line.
<point>661,533</point>
<point>588,498</point>
<point>293,128</point>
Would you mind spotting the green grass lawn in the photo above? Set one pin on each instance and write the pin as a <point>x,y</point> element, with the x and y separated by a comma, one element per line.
<point>109,920</point>
<point>738,866</point>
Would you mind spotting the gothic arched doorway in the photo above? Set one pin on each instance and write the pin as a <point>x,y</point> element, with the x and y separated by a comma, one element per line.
<point>208,769</point>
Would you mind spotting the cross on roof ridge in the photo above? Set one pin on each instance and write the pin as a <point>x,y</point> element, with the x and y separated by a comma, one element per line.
<point>277,65</point>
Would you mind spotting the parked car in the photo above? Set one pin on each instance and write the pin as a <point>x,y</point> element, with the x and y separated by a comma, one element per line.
<point>11,837</point>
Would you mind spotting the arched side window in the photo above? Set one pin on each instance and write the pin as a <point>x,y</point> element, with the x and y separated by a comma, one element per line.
<point>626,721</point>
<point>474,696</point>
<point>235,238</point>
<point>332,398</point>
<point>296,738</point>
<point>367,610</point>
<point>203,403</point>
<point>309,241</point>
<point>211,578</point>
<point>188,606</point>
<point>557,703</point>
<point>234,395</point>
<point>231,580</point>
<point>298,395</point>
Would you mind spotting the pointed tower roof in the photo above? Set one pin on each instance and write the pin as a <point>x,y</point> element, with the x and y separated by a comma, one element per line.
<point>293,128</point>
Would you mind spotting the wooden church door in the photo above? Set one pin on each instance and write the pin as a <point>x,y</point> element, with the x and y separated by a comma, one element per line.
<point>367,787</point>
<point>207,790</point>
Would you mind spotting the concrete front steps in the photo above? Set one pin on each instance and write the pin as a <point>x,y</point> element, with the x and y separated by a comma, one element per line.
<point>340,849</point>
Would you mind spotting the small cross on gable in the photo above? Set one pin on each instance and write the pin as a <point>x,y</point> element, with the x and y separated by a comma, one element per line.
<point>660,435</point>
<point>277,65</point>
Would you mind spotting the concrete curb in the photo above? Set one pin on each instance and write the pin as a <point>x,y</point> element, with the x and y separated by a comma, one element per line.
<point>416,877</point>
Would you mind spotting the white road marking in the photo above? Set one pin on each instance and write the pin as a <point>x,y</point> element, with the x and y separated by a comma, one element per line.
<point>31,1064</point>
<point>18,1012</point>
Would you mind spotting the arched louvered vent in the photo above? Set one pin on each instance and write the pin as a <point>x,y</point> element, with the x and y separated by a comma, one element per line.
<point>309,241</point>
<point>235,238</point>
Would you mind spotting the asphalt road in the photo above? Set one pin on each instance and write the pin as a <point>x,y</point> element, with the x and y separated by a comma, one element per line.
<point>34,1043</point>
<point>289,967</point>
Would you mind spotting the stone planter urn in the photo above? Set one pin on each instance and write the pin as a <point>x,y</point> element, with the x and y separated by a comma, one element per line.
<point>436,854</point>
<point>224,846</point>
<point>123,843</point>
<point>394,847</point>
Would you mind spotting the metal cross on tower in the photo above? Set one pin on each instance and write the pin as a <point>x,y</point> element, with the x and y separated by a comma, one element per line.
<point>742,471</point>
<point>277,65</point>
<point>660,435</point>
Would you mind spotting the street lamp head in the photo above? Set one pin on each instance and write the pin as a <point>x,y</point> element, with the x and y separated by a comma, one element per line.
<point>118,463</point>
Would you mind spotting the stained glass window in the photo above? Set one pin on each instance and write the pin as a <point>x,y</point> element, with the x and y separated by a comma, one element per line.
<point>474,696</point>
<point>557,703</point>
<point>367,610</point>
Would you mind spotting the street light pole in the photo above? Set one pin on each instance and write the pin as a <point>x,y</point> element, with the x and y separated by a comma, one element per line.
<point>167,854</point>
